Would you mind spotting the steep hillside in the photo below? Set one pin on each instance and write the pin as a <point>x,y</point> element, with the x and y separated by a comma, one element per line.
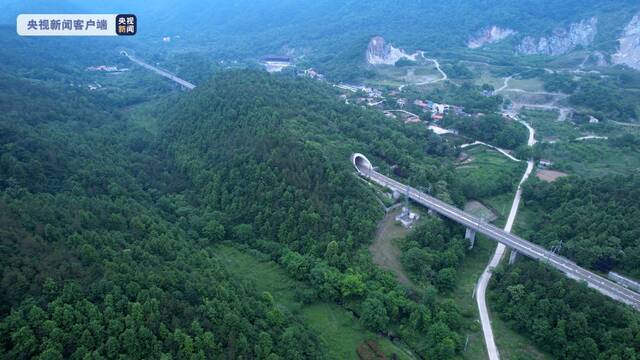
<point>100,257</point>
<point>269,159</point>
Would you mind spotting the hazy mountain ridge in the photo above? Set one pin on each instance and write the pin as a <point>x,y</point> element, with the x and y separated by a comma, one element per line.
<point>331,34</point>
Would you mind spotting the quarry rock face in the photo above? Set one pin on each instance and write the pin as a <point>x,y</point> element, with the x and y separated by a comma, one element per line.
<point>488,35</point>
<point>629,50</point>
<point>562,40</point>
<point>381,53</point>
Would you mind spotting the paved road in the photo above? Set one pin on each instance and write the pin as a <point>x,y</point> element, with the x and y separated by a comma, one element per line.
<point>437,64</point>
<point>483,282</point>
<point>159,71</point>
<point>568,267</point>
<point>502,151</point>
<point>481,289</point>
<point>625,124</point>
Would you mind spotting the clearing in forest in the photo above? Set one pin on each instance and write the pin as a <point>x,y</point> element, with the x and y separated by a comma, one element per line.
<point>384,249</point>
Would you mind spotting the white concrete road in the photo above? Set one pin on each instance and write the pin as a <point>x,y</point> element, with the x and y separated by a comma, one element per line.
<point>481,288</point>
<point>483,282</point>
<point>502,151</point>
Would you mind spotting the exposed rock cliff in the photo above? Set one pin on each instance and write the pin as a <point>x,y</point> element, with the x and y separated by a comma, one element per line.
<point>562,40</point>
<point>381,53</point>
<point>629,51</point>
<point>488,35</point>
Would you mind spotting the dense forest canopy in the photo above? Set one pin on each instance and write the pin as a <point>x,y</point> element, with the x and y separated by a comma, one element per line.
<point>111,224</point>
<point>119,191</point>
<point>564,318</point>
<point>275,175</point>
<point>98,247</point>
<point>595,219</point>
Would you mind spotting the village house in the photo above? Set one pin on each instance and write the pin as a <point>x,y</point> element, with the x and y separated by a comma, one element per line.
<point>544,163</point>
<point>440,108</point>
<point>312,73</point>
<point>420,103</point>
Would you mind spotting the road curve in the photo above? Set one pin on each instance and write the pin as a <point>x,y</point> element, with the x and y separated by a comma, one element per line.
<point>524,247</point>
<point>437,64</point>
<point>485,320</point>
<point>502,151</point>
<point>483,282</point>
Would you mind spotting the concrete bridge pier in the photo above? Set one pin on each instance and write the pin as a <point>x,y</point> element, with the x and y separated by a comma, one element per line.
<point>470,235</point>
<point>513,256</point>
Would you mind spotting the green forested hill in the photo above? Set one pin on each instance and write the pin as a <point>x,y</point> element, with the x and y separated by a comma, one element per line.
<point>109,231</point>
<point>269,158</point>
<point>596,220</point>
<point>99,258</point>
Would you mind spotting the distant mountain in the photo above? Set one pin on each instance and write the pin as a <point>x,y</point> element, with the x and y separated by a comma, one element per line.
<point>331,34</point>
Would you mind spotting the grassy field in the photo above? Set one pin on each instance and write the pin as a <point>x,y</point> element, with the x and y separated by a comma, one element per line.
<point>340,332</point>
<point>488,172</point>
<point>548,127</point>
<point>591,158</point>
<point>487,78</point>
<point>386,250</point>
<point>511,344</point>
<point>533,84</point>
<point>467,276</point>
<point>396,76</point>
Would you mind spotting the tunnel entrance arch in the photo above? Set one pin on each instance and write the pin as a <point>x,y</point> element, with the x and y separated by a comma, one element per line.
<point>361,163</point>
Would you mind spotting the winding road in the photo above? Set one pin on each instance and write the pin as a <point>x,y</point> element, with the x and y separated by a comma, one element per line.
<point>563,112</point>
<point>437,64</point>
<point>502,151</point>
<point>483,282</point>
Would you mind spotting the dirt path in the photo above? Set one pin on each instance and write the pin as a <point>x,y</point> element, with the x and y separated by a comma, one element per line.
<point>437,65</point>
<point>563,111</point>
<point>505,85</point>
<point>386,253</point>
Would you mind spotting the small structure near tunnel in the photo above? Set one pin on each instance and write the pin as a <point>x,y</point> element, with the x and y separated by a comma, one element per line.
<point>407,218</point>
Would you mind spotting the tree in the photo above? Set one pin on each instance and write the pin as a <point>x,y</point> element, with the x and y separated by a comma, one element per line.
<point>352,284</point>
<point>374,314</point>
<point>214,231</point>
<point>446,279</point>
<point>332,254</point>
